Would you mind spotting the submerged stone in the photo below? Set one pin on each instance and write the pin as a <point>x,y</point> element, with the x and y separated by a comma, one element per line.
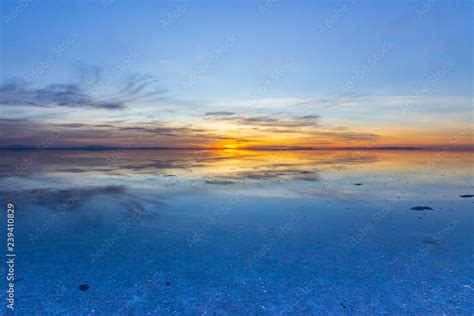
<point>421,208</point>
<point>84,287</point>
<point>467,195</point>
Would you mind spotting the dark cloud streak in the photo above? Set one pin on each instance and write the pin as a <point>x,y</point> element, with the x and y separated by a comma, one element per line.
<point>277,121</point>
<point>54,95</point>
<point>87,93</point>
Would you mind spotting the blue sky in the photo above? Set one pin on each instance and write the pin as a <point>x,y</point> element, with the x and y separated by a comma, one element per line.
<point>272,58</point>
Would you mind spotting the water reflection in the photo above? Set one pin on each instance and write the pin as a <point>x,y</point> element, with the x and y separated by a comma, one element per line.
<point>242,232</point>
<point>224,163</point>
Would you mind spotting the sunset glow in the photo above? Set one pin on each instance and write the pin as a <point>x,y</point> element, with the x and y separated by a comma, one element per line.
<point>313,86</point>
<point>244,157</point>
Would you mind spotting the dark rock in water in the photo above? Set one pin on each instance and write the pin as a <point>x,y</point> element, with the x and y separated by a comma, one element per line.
<point>357,183</point>
<point>467,195</point>
<point>84,287</point>
<point>167,283</point>
<point>421,208</point>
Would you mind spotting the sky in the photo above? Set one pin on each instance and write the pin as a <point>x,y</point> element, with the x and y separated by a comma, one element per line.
<point>236,74</point>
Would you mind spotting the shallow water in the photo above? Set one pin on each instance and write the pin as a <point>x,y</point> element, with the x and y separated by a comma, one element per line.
<point>240,232</point>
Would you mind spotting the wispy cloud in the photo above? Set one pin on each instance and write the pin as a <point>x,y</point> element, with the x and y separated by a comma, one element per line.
<point>90,91</point>
<point>219,113</point>
<point>265,120</point>
<point>54,95</point>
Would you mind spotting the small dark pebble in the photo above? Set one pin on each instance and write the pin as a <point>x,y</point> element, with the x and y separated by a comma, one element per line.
<point>421,208</point>
<point>343,306</point>
<point>167,283</point>
<point>357,183</point>
<point>84,287</point>
<point>467,195</point>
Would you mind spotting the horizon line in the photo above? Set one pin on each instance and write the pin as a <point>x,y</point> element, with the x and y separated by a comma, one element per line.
<point>19,147</point>
<point>288,148</point>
